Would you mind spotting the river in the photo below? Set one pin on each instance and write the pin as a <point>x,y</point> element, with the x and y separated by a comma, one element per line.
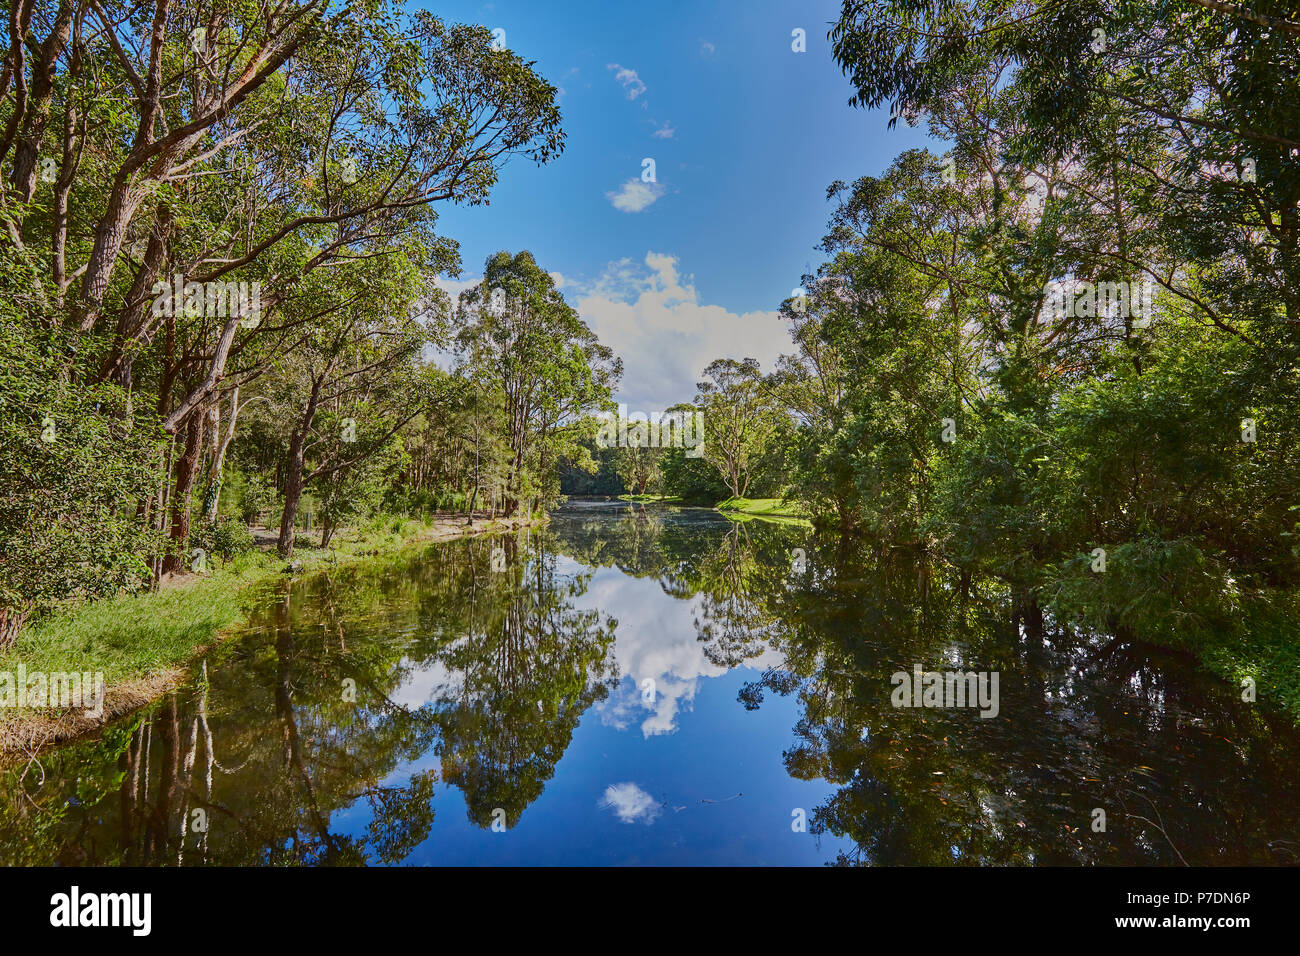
<point>658,685</point>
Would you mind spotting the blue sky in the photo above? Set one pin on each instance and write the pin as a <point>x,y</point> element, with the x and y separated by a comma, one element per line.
<point>691,778</point>
<point>745,135</point>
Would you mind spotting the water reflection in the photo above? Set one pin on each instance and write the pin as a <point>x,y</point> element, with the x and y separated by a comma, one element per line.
<point>1177,762</point>
<point>665,649</point>
<point>361,700</point>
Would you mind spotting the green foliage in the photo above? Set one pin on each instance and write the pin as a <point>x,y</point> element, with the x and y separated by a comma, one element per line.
<point>227,538</point>
<point>518,338</point>
<point>283,171</point>
<point>256,496</point>
<point>75,466</point>
<point>743,421</point>
<point>357,491</point>
<point>693,479</point>
<point>575,479</point>
<point>945,397</point>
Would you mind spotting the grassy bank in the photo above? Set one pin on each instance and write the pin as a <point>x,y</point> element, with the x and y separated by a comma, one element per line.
<point>662,499</point>
<point>767,509</point>
<point>143,643</point>
<point>1263,647</point>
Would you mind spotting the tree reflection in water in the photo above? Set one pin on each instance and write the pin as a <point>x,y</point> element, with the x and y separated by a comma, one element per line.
<point>1174,759</point>
<point>323,734</point>
<point>298,721</point>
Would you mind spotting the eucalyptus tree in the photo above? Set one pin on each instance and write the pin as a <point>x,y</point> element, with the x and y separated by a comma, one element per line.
<point>811,384</point>
<point>1160,141</point>
<point>151,149</point>
<point>1175,124</point>
<point>742,416</point>
<point>517,335</point>
<point>359,379</point>
<point>638,466</point>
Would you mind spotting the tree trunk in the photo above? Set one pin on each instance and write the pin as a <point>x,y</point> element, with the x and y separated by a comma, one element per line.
<point>11,623</point>
<point>222,445</point>
<point>186,470</point>
<point>848,520</point>
<point>473,498</point>
<point>511,503</point>
<point>62,187</point>
<point>38,102</point>
<point>292,494</point>
<point>136,320</point>
<point>122,203</point>
<point>293,482</point>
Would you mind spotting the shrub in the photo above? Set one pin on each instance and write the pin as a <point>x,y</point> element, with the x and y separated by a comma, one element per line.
<point>224,537</point>
<point>259,496</point>
<point>76,461</point>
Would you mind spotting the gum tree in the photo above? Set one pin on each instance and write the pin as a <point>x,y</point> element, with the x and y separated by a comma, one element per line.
<point>741,417</point>
<point>518,335</point>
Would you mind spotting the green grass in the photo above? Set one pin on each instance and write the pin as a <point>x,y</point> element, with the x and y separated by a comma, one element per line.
<point>141,634</point>
<point>137,635</point>
<point>1265,648</point>
<point>766,509</point>
<point>666,499</point>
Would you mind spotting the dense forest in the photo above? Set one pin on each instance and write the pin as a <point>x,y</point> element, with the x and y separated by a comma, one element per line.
<point>219,304</point>
<point>1064,352</point>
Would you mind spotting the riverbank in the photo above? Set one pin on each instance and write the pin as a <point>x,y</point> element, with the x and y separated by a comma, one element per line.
<point>1259,656</point>
<point>767,509</point>
<point>143,644</point>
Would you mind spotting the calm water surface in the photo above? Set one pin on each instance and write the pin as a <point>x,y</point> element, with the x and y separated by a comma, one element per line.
<point>656,685</point>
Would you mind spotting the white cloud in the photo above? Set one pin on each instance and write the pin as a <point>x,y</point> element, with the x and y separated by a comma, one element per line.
<point>628,79</point>
<point>654,640</point>
<point>664,132</point>
<point>454,287</point>
<point>706,47</point>
<point>658,641</point>
<point>630,803</point>
<point>634,195</point>
<point>653,319</point>
<point>427,681</point>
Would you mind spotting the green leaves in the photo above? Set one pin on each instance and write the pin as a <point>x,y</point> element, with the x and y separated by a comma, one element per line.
<point>518,338</point>
<point>75,468</point>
